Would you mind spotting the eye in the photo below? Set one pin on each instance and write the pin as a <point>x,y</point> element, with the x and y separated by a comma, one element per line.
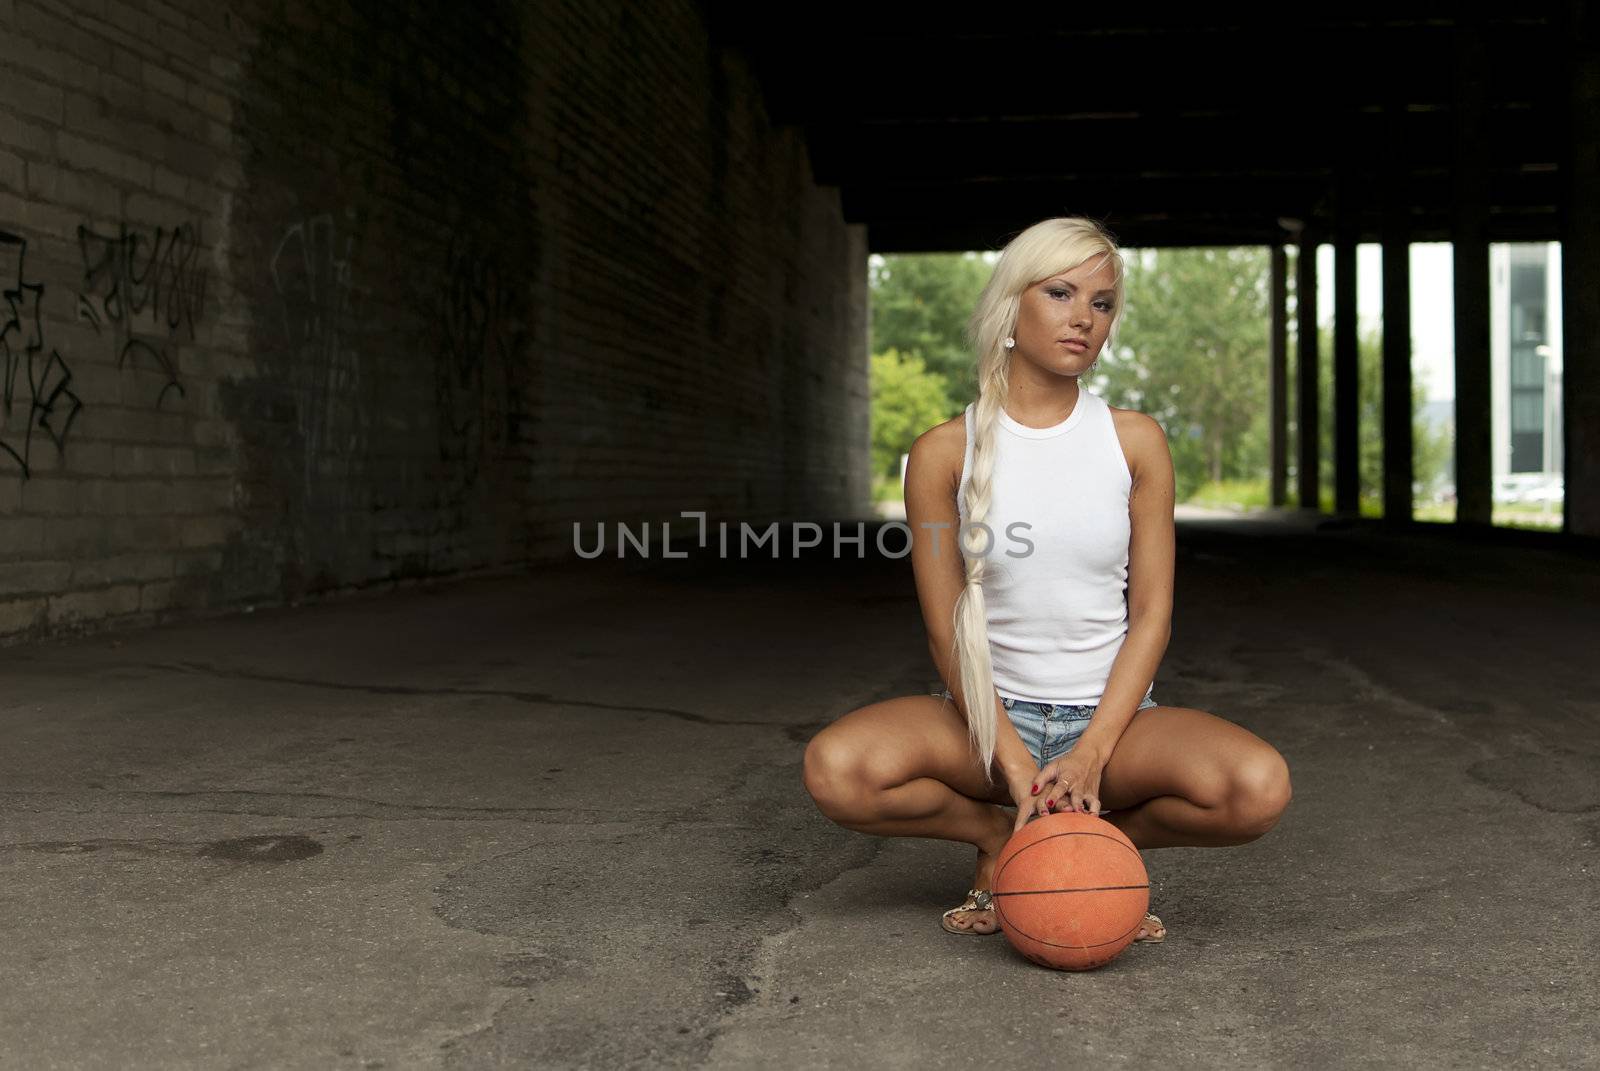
<point>1104,304</point>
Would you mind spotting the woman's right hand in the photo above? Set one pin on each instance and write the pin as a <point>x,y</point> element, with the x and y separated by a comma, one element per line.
<point>1023,781</point>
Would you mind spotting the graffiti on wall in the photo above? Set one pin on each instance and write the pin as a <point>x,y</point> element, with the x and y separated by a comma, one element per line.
<point>318,306</point>
<point>37,392</point>
<point>143,291</point>
<point>478,333</point>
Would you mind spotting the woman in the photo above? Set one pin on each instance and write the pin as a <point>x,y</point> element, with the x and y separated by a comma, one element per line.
<point>1055,608</point>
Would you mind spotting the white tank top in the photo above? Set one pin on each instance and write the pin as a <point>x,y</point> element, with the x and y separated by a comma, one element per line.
<point>1056,584</point>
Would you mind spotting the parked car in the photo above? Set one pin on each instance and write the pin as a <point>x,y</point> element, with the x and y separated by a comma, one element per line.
<point>1530,487</point>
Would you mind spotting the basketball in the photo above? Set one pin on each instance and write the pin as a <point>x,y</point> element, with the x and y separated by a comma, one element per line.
<point>1070,891</point>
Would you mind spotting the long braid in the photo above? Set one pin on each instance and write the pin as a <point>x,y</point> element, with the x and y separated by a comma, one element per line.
<point>971,612</point>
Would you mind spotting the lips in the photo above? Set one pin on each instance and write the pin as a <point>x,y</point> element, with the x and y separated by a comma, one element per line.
<point>1076,343</point>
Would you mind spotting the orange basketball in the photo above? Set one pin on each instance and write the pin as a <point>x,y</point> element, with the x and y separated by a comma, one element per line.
<point>1070,891</point>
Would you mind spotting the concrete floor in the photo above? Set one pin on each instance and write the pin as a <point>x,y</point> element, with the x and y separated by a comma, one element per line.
<point>556,820</point>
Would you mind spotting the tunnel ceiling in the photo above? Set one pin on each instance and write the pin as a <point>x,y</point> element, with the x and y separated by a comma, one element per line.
<point>1207,127</point>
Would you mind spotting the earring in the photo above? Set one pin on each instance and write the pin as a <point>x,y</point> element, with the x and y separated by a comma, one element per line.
<point>1010,342</point>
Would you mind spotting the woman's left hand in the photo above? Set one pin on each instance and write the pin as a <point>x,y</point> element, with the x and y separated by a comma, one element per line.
<point>1071,782</point>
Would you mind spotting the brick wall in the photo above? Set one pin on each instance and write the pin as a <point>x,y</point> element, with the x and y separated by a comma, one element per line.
<point>300,301</point>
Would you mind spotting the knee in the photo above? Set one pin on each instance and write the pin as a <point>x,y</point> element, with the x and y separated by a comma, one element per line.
<point>1261,792</point>
<point>831,775</point>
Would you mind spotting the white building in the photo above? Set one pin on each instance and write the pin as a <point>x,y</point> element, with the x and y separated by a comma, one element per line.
<point>1525,370</point>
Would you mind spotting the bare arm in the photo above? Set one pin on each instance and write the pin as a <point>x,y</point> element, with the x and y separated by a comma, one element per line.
<point>933,473</point>
<point>1151,546</point>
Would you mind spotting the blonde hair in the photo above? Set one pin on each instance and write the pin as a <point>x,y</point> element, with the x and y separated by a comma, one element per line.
<point>1047,248</point>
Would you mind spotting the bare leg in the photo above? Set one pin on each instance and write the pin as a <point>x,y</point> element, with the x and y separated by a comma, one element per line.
<point>927,807</point>
<point>949,816</point>
<point>904,768</point>
<point>1174,822</point>
<point>1180,776</point>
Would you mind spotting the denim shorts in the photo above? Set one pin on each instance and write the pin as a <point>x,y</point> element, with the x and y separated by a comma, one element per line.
<point>1049,729</point>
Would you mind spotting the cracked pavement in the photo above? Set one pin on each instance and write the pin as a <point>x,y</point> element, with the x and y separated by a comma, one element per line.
<point>555,819</point>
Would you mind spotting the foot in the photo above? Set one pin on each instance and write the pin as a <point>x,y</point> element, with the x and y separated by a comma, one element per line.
<point>984,921</point>
<point>1151,930</point>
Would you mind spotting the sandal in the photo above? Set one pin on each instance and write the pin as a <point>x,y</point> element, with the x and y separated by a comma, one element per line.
<point>977,900</point>
<point>1157,934</point>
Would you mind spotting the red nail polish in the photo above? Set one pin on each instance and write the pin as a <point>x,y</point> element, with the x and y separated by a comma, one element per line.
<point>1035,788</point>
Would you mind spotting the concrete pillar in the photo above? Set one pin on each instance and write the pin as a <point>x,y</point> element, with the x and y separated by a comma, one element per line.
<point>1346,399</point>
<point>1580,276</point>
<point>1398,472</point>
<point>1470,211</point>
<point>1277,381</point>
<point>1305,301</point>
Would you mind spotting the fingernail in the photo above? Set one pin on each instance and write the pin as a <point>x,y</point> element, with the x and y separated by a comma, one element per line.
<point>1036,788</point>
<point>1051,805</point>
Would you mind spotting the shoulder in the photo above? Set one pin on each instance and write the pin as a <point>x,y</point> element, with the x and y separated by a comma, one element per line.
<point>941,450</point>
<point>1131,422</point>
<point>1143,439</point>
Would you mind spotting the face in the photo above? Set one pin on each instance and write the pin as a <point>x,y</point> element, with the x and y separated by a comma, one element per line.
<point>1079,303</point>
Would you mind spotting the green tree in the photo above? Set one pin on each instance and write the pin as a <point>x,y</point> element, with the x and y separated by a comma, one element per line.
<point>920,306</point>
<point>1192,353</point>
<point>907,400</point>
<point>1430,448</point>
